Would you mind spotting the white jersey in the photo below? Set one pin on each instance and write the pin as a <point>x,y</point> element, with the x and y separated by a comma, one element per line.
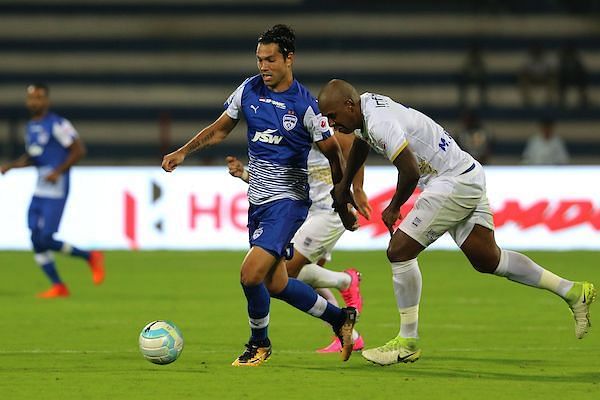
<point>319,179</point>
<point>389,127</point>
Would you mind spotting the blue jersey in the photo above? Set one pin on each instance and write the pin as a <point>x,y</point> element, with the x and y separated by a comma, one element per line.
<point>281,130</point>
<point>47,143</point>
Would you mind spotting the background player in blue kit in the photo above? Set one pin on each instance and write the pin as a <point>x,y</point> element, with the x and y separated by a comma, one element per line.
<point>283,122</point>
<point>52,146</point>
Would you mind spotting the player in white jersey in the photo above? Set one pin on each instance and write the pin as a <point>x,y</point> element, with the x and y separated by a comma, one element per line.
<point>316,238</point>
<point>453,200</point>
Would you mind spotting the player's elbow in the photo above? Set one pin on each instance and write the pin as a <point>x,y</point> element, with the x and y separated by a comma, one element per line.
<point>78,151</point>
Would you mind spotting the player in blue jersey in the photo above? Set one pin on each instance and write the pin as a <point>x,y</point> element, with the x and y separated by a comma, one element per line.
<point>283,122</point>
<point>52,146</point>
<point>315,239</point>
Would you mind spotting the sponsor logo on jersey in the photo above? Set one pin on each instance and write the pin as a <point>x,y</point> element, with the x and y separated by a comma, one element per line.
<point>35,150</point>
<point>267,136</point>
<point>276,103</point>
<point>41,136</point>
<point>257,233</point>
<point>289,121</point>
<point>432,235</point>
<point>380,101</point>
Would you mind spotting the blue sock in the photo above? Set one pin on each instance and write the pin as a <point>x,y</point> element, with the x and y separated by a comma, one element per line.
<point>51,272</point>
<point>45,261</point>
<point>259,303</point>
<point>304,297</point>
<point>77,252</point>
<point>66,248</point>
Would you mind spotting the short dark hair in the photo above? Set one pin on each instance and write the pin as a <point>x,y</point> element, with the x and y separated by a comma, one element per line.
<point>281,34</point>
<point>39,85</point>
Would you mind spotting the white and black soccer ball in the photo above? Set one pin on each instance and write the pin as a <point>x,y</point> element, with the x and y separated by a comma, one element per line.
<point>161,342</point>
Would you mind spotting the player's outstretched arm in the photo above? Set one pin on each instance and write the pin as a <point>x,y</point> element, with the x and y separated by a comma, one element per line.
<point>342,197</point>
<point>408,177</point>
<point>360,197</point>
<point>21,162</point>
<point>209,136</point>
<point>356,158</point>
<point>331,149</point>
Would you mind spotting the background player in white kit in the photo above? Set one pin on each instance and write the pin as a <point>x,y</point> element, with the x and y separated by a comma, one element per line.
<point>453,200</point>
<point>316,238</point>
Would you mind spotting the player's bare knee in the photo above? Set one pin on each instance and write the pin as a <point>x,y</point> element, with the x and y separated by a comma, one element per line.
<point>395,253</point>
<point>485,262</point>
<point>398,251</point>
<point>250,278</point>
<point>293,269</point>
<point>483,266</point>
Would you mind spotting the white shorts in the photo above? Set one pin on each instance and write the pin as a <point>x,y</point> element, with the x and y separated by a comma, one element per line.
<point>318,234</point>
<point>452,204</point>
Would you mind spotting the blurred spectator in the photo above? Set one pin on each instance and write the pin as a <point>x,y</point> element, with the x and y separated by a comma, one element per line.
<point>473,73</point>
<point>571,73</point>
<point>538,72</point>
<point>474,138</point>
<point>545,147</point>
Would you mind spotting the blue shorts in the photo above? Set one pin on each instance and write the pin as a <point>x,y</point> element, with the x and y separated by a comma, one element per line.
<point>44,214</point>
<point>272,226</point>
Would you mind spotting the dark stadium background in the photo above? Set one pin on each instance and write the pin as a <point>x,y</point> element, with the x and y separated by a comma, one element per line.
<point>138,77</point>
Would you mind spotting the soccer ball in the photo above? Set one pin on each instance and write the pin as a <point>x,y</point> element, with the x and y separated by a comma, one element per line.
<point>161,342</point>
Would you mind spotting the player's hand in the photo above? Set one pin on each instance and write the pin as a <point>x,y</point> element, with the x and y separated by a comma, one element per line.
<point>236,168</point>
<point>4,169</point>
<point>362,203</point>
<point>390,216</point>
<point>343,203</point>
<point>172,160</point>
<point>52,177</point>
<point>348,217</point>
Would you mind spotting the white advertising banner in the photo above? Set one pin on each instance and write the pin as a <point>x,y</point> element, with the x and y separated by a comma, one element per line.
<point>205,208</point>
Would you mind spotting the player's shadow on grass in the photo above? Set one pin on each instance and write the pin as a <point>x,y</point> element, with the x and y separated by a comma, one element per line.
<point>487,360</point>
<point>525,370</point>
<point>526,374</point>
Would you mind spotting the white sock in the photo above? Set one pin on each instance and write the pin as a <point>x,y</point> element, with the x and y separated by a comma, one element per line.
<point>407,280</point>
<point>66,248</point>
<point>43,258</point>
<point>319,277</point>
<point>520,268</point>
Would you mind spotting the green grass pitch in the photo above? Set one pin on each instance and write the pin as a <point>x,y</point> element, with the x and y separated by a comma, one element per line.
<point>482,336</point>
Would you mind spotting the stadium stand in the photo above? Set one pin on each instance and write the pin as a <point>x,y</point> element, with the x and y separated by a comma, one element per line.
<point>137,77</point>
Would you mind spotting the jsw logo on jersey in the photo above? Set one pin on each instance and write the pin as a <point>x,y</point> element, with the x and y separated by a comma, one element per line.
<point>267,136</point>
